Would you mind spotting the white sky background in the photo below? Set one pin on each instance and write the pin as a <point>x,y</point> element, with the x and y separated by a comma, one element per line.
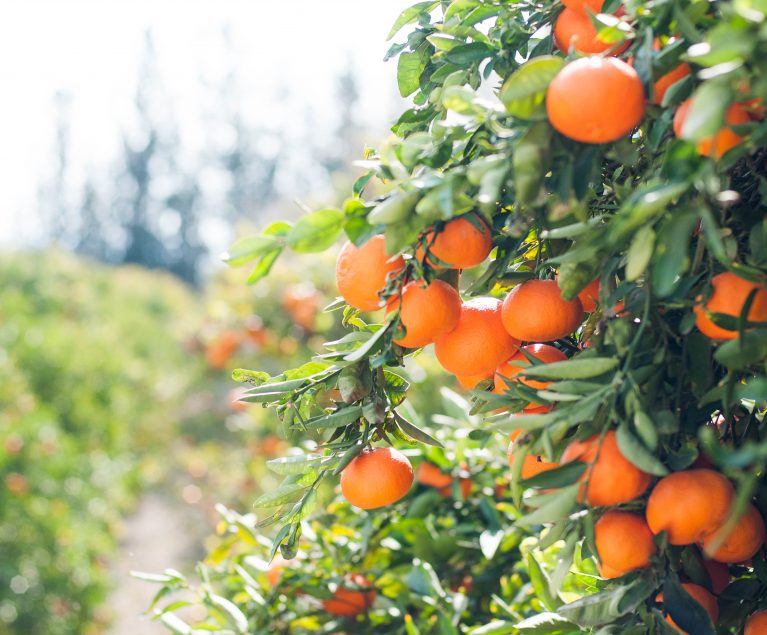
<point>92,50</point>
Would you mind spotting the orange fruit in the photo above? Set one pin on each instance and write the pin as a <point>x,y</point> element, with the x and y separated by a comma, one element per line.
<point>613,478</point>
<point>664,82</point>
<point>589,296</point>
<point>302,303</point>
<point>376,478</point>
<point>426,312</point>
<point>518,363</point>
<point>716,145</point>
<point>718,573</point>
<point>430,475</point>
<point>461,243</point>
<point>624,542</point>
<point>702,597</point>
<point>596,100</point>
<point>353,596</point>
<point>746,538</point>
<point>222,348</point>
<point>584,6</point>
<point>574,29</point>
<point>608,572</point>
<point>478,343</point>
<point>689,505</point>
<point>535,311</point>
<point>469,382</point>
<point>756,624</point>
<point>532,465</point>
<point>276,567</point>
<point>729,297</point>
<point>362,272</point>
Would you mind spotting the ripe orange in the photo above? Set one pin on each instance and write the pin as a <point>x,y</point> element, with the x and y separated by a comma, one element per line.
<point>479,342</point>
<point>624,542</point>
<point>352,597</point>
<point>376,478</point>
<point>729,296</point>
<point>613,478</point>
<point>664,82</point>
<point>756,624</point>
<point>574,29</point>
<point>746,538</point>
<point>462,243</point>
<point>276,567</point>
<point>595,6</point>
<point>302,302</point>
<point>532,465</point>
<point>718,573</point>
<point>702,597</point>
<point>535,311</point>
<point>689,505</point>
<point>222,348</point>
<point>469,382</point>
<point>589,296</point>
<point>596,100</point>
<point>430,475</point>
<point>723,140</point>
<point>608,572</point>
<point>426,312</point>
<point>361,272</point>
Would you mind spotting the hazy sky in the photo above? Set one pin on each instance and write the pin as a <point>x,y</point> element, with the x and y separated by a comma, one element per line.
<point>91,49</point>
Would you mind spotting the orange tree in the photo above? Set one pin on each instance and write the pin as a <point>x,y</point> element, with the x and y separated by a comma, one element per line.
<point>599,171</point>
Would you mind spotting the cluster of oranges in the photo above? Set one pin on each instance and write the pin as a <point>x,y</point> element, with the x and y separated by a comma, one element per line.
<point>482,338</point>
<point>598,99</point>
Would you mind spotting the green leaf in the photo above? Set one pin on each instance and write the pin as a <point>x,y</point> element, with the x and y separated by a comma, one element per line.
<point>414,432</point>
<point>264,265</point>
<point>248,248</point>
<point>409,69</point>
<point>410,15</point>
<point>286,493</point>
<point>684,610</point>
<point>175,624</point>
<point>639,253</point>
<point>469,53</point>
<point>743,351</point>
<point>596,609</point>
<point>337,419</point>
<point>707,110</point>
<point>368,347</point>
<point>316,231</point>
<point>395,208</point>
<point>573,368</point>
<point>544,624</point>
<point>671,252</point>
<point>634,451</point>
<point>297,464</point>
<point>561,476</point>
<point>524,91</point>
<point>540,582</point>
<point>558,506</point>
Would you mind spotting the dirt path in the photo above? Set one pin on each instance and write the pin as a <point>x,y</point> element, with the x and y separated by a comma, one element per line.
<point>161,534</point>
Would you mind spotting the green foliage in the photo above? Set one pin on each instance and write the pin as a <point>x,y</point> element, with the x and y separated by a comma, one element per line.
<point>647,215</point>
<point>92,375</point>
